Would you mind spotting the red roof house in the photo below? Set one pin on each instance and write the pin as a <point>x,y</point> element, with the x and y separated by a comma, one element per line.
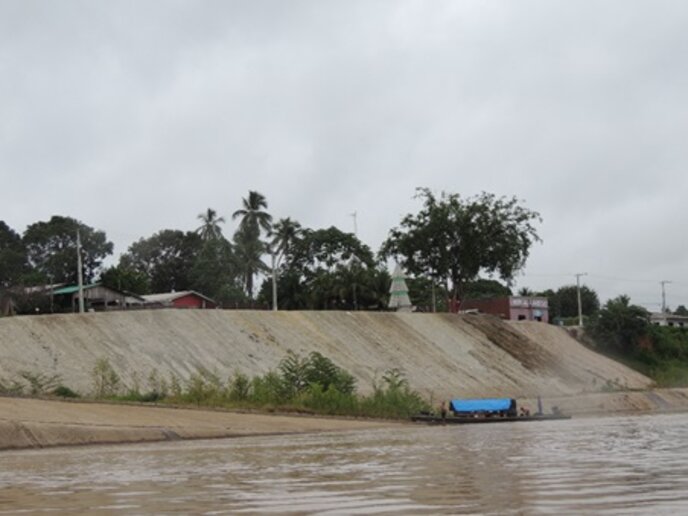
<point>183,299</point>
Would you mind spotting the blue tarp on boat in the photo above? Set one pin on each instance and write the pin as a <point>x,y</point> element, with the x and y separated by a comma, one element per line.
<point>482,405</point>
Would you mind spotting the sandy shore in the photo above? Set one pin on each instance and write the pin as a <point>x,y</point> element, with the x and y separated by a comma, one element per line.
<point>32,423</point>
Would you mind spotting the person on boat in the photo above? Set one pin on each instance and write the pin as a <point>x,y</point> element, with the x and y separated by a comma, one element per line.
<point>443,411</point>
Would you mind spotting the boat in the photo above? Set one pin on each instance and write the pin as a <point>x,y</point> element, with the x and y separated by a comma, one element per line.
<point>454,420</point>
<point>487,410</point>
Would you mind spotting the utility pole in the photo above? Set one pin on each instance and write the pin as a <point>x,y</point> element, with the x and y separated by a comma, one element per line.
<point>274,280</point>
<point>664,282</point>
<point>80,272</point>
<point>354,259</point>
<point>580,304</point>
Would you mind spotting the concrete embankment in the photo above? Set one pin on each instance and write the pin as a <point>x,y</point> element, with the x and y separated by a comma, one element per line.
<point>33,423</point>
<point>442,355</point>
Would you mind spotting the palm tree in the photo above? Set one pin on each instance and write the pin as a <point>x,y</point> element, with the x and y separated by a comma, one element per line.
<point>284,232</point>
<point>210,229</point>
<point>248,251</point>
<point>252,218</point>
<point>247,237</point>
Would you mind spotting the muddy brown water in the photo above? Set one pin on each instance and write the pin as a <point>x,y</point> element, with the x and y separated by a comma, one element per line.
<point>612,465</point>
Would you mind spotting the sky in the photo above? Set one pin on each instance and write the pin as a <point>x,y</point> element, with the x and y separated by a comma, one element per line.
<point>136,116</point>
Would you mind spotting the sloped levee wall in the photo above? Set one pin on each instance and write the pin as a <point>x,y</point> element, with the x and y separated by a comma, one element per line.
<point>442,355</point>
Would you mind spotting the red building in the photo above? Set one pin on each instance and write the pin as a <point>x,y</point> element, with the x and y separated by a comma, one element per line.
<point>513,308</point>
<point>183,299</point>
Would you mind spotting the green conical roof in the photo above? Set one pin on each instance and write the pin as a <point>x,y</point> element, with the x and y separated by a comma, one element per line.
<point>398,291</point>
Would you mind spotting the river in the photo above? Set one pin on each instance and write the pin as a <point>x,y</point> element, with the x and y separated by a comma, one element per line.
<point>611,465</point>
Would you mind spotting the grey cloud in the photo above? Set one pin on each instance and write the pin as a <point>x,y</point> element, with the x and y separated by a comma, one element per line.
<point>135,116</point>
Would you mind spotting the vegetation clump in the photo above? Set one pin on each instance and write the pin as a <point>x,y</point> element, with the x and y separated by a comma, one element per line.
<point>624,332</point>
<point>309,384</point>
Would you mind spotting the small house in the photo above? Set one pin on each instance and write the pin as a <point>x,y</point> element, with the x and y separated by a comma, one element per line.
<point>512,308</point>
<point>97,297</point>
<point>666,319</point>
<point>182,299</point>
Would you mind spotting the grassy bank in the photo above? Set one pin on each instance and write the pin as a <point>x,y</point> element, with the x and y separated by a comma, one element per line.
<point>624,333</point>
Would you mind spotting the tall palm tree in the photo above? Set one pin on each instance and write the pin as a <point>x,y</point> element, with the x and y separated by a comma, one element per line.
<point>284,232</point>
<point>210,229</point>
<point>253,219</point>
<point>247,237</point>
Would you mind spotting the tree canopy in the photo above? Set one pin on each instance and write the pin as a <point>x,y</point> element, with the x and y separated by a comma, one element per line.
<point>12,256</point>
<point>51,249</point>
<point>166,258</point>
<point>564,301</point>
<point>327,268</point>
<point>249,247</point>
<point>210,227</point>
<point>454,239</point>
<point>620,325</point>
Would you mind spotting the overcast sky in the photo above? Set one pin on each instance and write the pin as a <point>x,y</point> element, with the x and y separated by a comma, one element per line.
<point>135,116</point>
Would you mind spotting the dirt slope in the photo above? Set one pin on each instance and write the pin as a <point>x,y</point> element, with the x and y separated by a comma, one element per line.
<point>443,355</point>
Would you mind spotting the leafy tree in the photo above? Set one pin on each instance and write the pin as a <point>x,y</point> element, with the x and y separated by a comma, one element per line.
<point>51,248</point>
<point>247,238</point>
<point>620,326</point>
<point>324,267</point>
<point>481,288</point>
<point>421,290</point>
<point>210,229</point>
<point>452,239</point>
<point>681,310</point>
<point>216,273</point>
<point>126,279</point>
<point>166,258</point>
<point>12,256</point>
<point>568,300</point>
<point>564,302</point>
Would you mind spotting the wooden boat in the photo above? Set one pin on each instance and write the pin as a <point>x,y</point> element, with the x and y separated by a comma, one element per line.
<point>434,419</point>
<point>487,410</point>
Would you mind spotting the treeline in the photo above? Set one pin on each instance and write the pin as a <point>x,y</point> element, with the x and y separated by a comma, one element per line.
<point>625,332</point>
<point>444,248</point>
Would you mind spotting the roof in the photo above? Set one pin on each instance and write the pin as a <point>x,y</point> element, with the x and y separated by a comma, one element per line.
<point>72,289</point>
<point>168,297</point>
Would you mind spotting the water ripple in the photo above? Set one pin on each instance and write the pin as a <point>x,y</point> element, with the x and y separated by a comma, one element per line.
<point>616,465</point>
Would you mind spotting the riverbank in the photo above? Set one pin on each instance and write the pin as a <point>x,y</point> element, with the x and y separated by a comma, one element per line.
<point>36,423</point>
<point>616,402</point>
<point>441,355</point>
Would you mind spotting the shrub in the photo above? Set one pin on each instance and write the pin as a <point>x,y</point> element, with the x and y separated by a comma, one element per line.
<point>106,382</point>
<point>40,383</point>
<point>239,387</point>
<point>64,392</point>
